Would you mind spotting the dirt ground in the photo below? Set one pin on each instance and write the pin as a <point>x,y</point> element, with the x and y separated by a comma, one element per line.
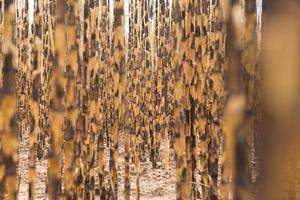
<point>155,184</point>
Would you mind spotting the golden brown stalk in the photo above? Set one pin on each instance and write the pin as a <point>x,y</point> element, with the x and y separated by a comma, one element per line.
<point>45,73</point>
<point>201,56</point>
<point>235,106</point>
<point>80,92</point>
<point>8,127</point>
<point>1,39</point>
<point>57,62</point>
<point>168,84</point>
<point>148,78</point>
<point>197,92</point>
<point>88,67</point>
<point>153,66</point>
<point>129,132</point>
<point>36,158</point>
<point>73,108</point>
<point>215,91</point>
<point>158,79</point>
<point>118,89</point>
<point>139,95</point>
<point>44,103</point>
<point>142,79</point>
<point>249,61</point>
<point>92,85</point>
<point>32,115</point>
<point>23,92</point>
<point>188,74</point>
<point>136,91</point>
<point>153,70</point>
<point>34,78</point>
<point>84,99</point>
<point>280,100</point>
<point>71,101</point>
<point>179,116</point>
<point>104,95</point>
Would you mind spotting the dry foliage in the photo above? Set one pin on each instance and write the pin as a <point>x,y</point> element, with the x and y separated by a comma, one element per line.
<point>91,90</point>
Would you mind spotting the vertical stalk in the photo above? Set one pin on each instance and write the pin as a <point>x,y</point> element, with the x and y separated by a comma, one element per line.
<point>104,93</point>
<point>2,13</point>
<point>179,101</point>
<point>57,62</point>
<point>9,144</point>
<point>119,88</point>
<point>22,95</point>
<point>33,92</point>
<point>71,144</point>
<point>249,61</point>
<point>188,74</point>
<point>39,98</point>
<point>215,91</point>
<point>235,105</point>
<point>129,134</point>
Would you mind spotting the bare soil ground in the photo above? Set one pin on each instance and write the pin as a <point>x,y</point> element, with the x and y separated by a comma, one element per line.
<point>155,184</point>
